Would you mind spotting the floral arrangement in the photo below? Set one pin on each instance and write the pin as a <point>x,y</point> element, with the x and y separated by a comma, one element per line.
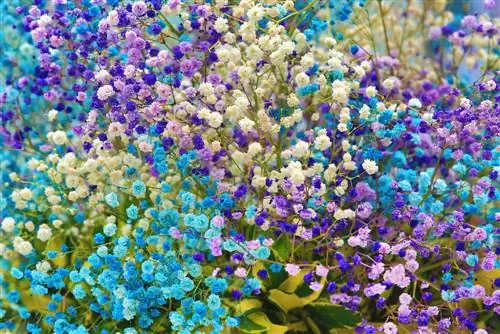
<point>271,166</point>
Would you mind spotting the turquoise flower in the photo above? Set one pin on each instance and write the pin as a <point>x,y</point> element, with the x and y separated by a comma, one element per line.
<point>138,188</point>
<point>132,211</point>
<point>472,260</point>
<point>213,302</point>
<point>112,200</point>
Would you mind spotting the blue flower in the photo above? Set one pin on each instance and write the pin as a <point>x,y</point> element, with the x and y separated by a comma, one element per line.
<point>161,167</point>
<point>75,276</point>
<point>275,267</point>
<point>112,200</point>
<point>52,254</point>
<point>176,318</point>
<point>147,267</point>
<point>472,259</point>
<point>187,284</point>
<point>119,251</point>
<point>165,187</point>
<point>132,211</point>
<point>213,302</point>
<point>159,154</point>
<point>138,188</point>
<point>38,290</point>
<point>79,292</point>
<point>262,253</point>
<point>251,211</point>
<point>109,229</point>
<point>218,286</point>
<point>145,322</point>
<point>448,295</point>
<point>232,322</point>
<point>99,238</point>
<point>16,273</point>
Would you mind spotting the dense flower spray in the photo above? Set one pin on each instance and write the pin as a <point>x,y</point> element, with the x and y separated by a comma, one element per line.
<point>248,166</point>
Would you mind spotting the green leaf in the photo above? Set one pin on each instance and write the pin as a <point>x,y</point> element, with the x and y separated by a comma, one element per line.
<point>247,305</point>
<point>486,279</point>
<point>329,316</point>
<point>293,282</point>
<point>35,303</point>
<point>282,247</point>
<point>306,294</point>
<point>249,326</point>
<point>258,322</point>
<point>261,318</point>
<point>276,279</point>
<point>285,301</point>
<point>303,290</point>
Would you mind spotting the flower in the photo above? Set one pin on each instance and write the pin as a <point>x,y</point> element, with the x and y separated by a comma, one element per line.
<point>322,142</point>
<point>396,275</point>
<point>201,148</point>
<point>292,269</point>
<point>112,200</point>
<point>8,224</point>
<point>105,92</point>
<point>138,188</point>
<point>370,166</point>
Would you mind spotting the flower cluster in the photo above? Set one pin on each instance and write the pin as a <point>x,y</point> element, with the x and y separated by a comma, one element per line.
<point>273,166</point>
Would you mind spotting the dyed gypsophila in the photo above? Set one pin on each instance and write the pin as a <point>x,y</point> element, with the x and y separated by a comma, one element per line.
<point>273,166</point>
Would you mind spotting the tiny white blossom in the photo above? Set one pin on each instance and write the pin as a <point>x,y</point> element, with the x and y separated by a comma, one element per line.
<point>370,166</point>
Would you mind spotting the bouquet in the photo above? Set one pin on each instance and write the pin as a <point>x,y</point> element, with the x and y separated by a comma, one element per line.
<point>223,166</point>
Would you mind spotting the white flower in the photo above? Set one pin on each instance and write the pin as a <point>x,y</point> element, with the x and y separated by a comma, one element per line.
<point>104,92</point>
<point>8,224</point>
<point>388,83</point>
<point>465,103</point>
<point>344,214</point>
<point>43,267</point>
<point>415,103</point>
<point>481,331</point>
<point>330,172</point>
<point>52,115</point>
<point>113,18</point>
<point>26,194</point>
<point>59,137</point>
<point>301,149</point>
<point>370,166</point>
<point>364,112</point>
<point>246,124</point>
<point>30,226</point>
<point>322,142</point>
<point>44,233</point>
<point>405,298</point>
<point>340,91</point>
<point>390,328</point>
<point>102,76</point>
<point>297,177</point>
<point>221,25</point>
<point>342,127</point>
<point>23,247</point>
<point>292,100</point>
<point>253,52</point>
<point>371,91</point>
<point>254,149</point>
<point>241,272</point>
<point>214,119</point>
<point>302,79</point>
<point>44,20</point>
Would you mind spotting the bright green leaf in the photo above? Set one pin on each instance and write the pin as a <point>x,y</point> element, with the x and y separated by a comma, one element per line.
<point>282,247</point>
<point>248,326</point>
<point>285,301</point>
<point>328,316</point>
